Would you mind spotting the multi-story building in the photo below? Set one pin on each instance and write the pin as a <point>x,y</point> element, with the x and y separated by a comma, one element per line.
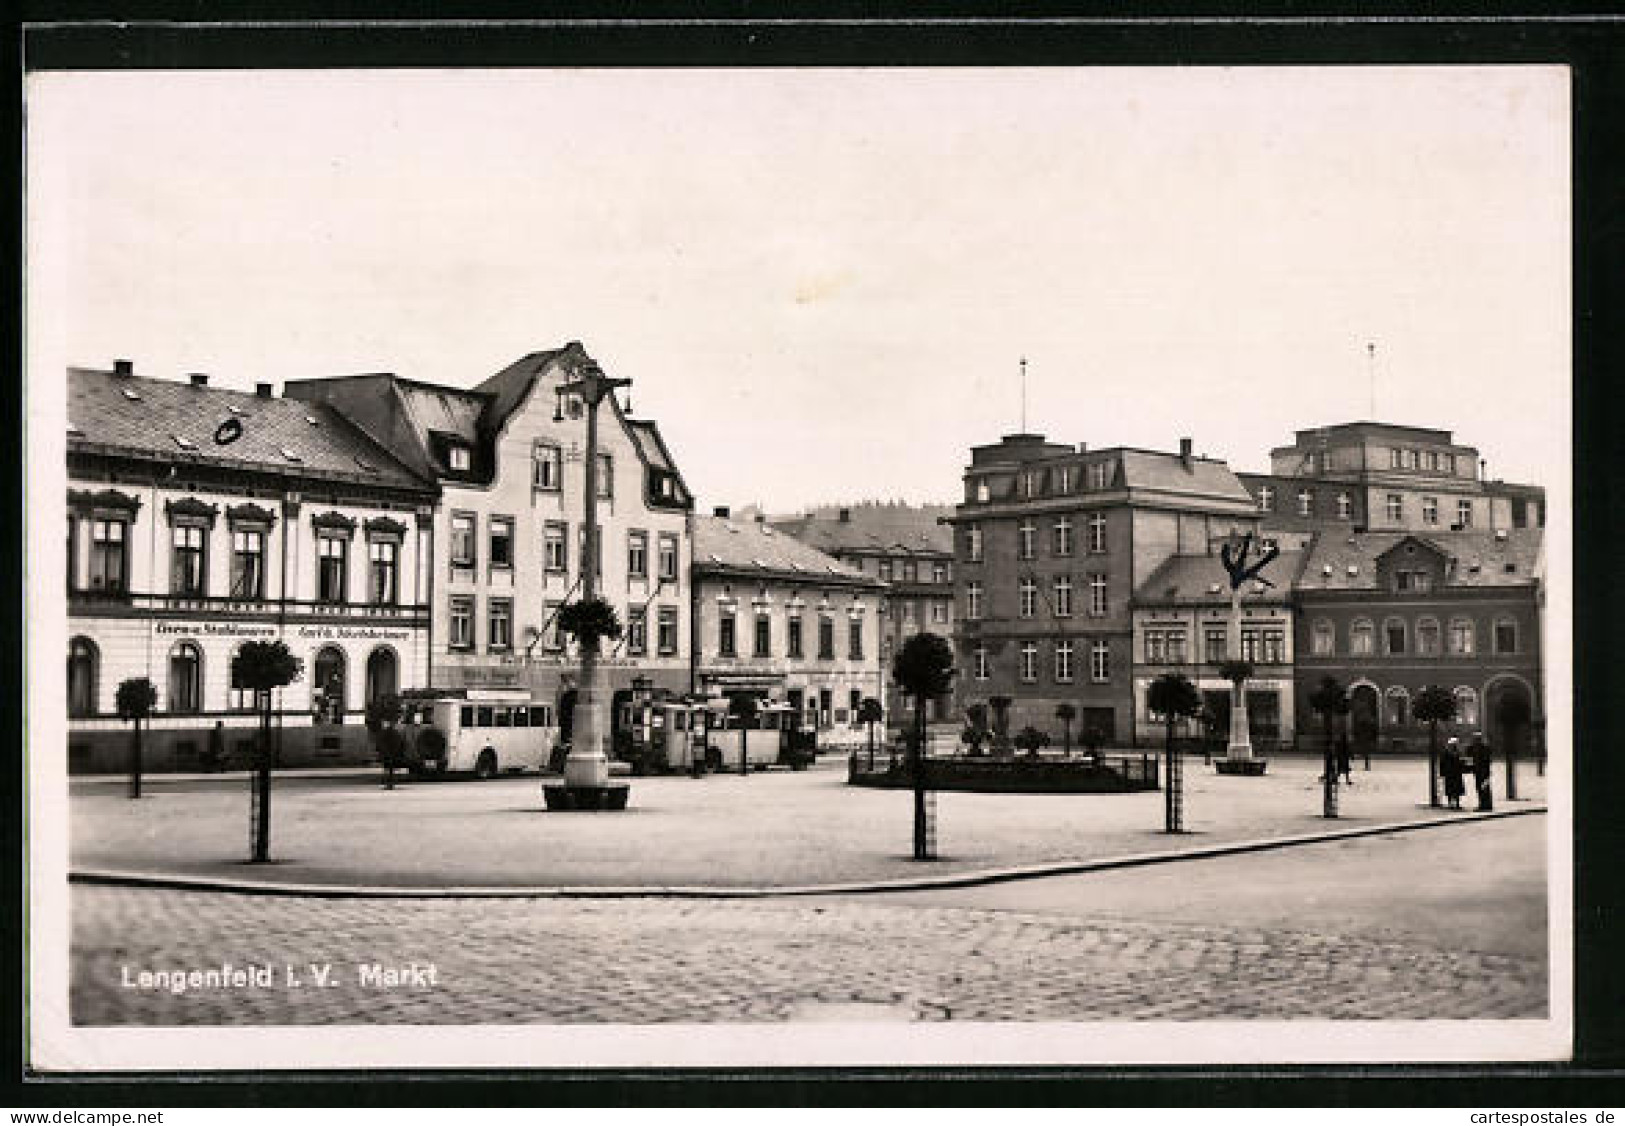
<point>507,456</point>
<point>1181,625</point>
<point>200,518</point>
<point>910,549</point>
<point>1389,613</point>
<point>778,618</point>
<point>1376,476</point>
<point>1052,541</point>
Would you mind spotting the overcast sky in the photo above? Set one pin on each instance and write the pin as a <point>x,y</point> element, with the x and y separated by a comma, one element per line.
<point>822,281</point>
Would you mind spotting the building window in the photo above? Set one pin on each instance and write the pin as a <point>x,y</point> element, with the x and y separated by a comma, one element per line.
<point>1462,641</point>
<point>668,557</point>
<point>1063,662</point>
<point>1413,459</point>
<point>1215,644</point>
<point>1274,651</point>
<point>82,662</point>
<point>1063,596</point>
<point>726,642</point>
<point>502,541</point>
<point>546,467</point>
<point>1063,479</point>
<point>973,543</point>
<point>764,637</point>
<point>1427,637</point>
<point>381,674</point>
<point>1100,666</point>
<point>979,662</point>
<point>1430,510</point>
<point>462,539</point>
<point>1393,633</point>
<point>499,625</point>
<point>1029,662</point>
<point>462,622</point>
<point>1361,638</point>
<point>606,476</point>
<point>457,457</point>
<point>382,571</point>
<point>1306,502</point>
<point>1396,507</point>
<point>552,636</point>
<point>1027,534</point>
<point>1156,647</point>
<point>1063,536</point>
<point>1097,595</point>
<point>637,630</point>
<point>1396,459</point>
<point>792,636</point>
<point>1249,645</point>
<point>854,637</point>
<point>885,570</point>
<point>826,638</point>
<point>332,569</point>
<point>556,546</point>
<point>1464,513</point>
<point>667,627</point>
<point>1176,646</point>
<point>1028,590</point>
<point>1100,474</point>
<point>973,601</point>
<point>248,563</point>
<point>1266,499</point>
<point>983,492</point>
<point>107,568</point>
<point>1323,641</point>
<point>1097,533</point>
<point>910,571</point>
<point>939,613</point>
<point>187,576</point>
<point>1413,581</point>
<point>327,686</point>
<point>185,679</point>
<point>637,555</point>
<point>939,572</point>
<point>1506,636</point>
<point>1345,506</point>
<point>1466,706</point>
<point>1399,706</point>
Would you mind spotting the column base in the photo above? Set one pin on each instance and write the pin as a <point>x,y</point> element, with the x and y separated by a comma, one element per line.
<point>563,798</point>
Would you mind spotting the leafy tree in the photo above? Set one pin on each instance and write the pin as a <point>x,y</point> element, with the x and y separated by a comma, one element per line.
<point>1173,697</point>
<point>1066,713</point>
<point>1031,740</point>
<point>923,669</point>
<point>870,712</point>
<point>744,707</point>
<point>589,621</point>
<point>1434,705</point>
<point>263,667</point>
<point>1236,672</point>
<point>383,714</point>
<point>136,699</point>
<point>1329,700</point>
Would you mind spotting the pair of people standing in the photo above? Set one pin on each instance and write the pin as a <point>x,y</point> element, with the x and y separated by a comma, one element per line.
<point>1454,765</point>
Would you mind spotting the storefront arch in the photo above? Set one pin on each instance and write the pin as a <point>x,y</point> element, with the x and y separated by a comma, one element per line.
<point>1509,713</point>
<point>1365,716</point>
<point>383,674</point>
<point>84,662</point>
<point>327,685</point>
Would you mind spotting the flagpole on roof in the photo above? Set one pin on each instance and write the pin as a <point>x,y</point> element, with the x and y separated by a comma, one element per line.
<point>1024,394</point>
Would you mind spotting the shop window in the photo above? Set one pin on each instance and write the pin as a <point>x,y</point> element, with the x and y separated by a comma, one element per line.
<point>83,660</point>
<point>185,679</point>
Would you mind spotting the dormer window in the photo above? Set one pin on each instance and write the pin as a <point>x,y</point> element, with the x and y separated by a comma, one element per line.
<point>457,457</point>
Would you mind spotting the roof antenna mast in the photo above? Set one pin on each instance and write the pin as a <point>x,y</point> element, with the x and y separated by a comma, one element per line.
<point>1024,394</point>
<point>1371,377</point>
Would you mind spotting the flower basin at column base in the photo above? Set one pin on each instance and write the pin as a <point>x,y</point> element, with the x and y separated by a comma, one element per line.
<point>593,799</point>
<point>1248,766</point>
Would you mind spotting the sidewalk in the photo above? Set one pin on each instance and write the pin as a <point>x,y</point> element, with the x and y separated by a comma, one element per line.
<point>772,832</point>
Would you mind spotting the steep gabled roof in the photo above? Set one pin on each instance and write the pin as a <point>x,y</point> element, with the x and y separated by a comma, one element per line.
<point>733,546</point>
<point>892,529</point>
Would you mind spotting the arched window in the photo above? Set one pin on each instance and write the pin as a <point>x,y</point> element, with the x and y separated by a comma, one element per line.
<point>1427,637</point>
<point>1399,706</point>
<point>1361,637</point>
<point>1506,635</point>
<point>1393,637</point>
<point>1324,641</point>
<point>1466,706</point>
<point>327,693</point>
<point>381,668</point>
<point>185,679</point>
<point>1461,637</point>
<point>82,662</point>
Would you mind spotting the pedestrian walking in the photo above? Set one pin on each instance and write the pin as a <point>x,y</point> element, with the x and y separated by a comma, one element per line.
<point>1452,767</point>
<point>1344,766</point>
<point>1479,753</point>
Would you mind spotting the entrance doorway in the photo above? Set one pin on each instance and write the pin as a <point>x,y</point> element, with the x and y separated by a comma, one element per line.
<point>1363,719</point>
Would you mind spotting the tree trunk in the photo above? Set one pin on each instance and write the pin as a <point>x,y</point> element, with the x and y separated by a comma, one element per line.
<point>1433,764</point>
<point>262,825</point>
<point>1173,798</point>
<point>135,761</point>
<point>1328,795</point>
<point>917,770</point>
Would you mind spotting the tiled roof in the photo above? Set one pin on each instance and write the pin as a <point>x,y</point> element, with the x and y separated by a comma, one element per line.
<point>1482,558</point>
<point>1148,469</point>
<point>178,422</point>
<point>1202,580</point>
<point>890,528</point>
<point>736,545</point>
<point>508,387</point>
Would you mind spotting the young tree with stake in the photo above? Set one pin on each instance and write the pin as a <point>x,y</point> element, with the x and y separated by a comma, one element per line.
<point>262,667</point>
<point>1173,697</point>
<point>1434,705</point>
<point>135,702</point>
<point>923,668</point>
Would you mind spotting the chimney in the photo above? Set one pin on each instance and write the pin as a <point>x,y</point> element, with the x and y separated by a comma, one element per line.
<point>761,518</point>
<point>199,379</point>
<point>123,368</point>
<point>1083,447</point>
<point>1185,451</point>
<point>263,390</point>
<point>720,510</point>
<point>846,516</point>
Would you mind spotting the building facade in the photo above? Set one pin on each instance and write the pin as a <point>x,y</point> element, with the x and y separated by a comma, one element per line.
<point>911,550</point>
<point>777,618</point>
<point>200,518</point>
<point>1051,543</point>
<point>1387,614</point>
<point>509,531</point>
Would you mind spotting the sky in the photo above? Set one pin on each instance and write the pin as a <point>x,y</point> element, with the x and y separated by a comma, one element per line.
<point>822,282</point>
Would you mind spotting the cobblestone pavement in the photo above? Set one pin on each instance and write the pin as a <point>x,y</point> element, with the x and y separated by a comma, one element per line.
<point>661,960</point>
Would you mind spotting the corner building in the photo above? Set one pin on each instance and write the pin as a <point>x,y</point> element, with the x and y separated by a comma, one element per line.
<point>182,546</point>
<point>507,457</point>
<point>1051,542</point>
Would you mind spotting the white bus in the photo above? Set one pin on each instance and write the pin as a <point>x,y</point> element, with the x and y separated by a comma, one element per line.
<point>485,734</point>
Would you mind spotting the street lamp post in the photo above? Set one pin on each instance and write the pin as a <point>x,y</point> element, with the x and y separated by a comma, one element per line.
<point>586,770</point>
